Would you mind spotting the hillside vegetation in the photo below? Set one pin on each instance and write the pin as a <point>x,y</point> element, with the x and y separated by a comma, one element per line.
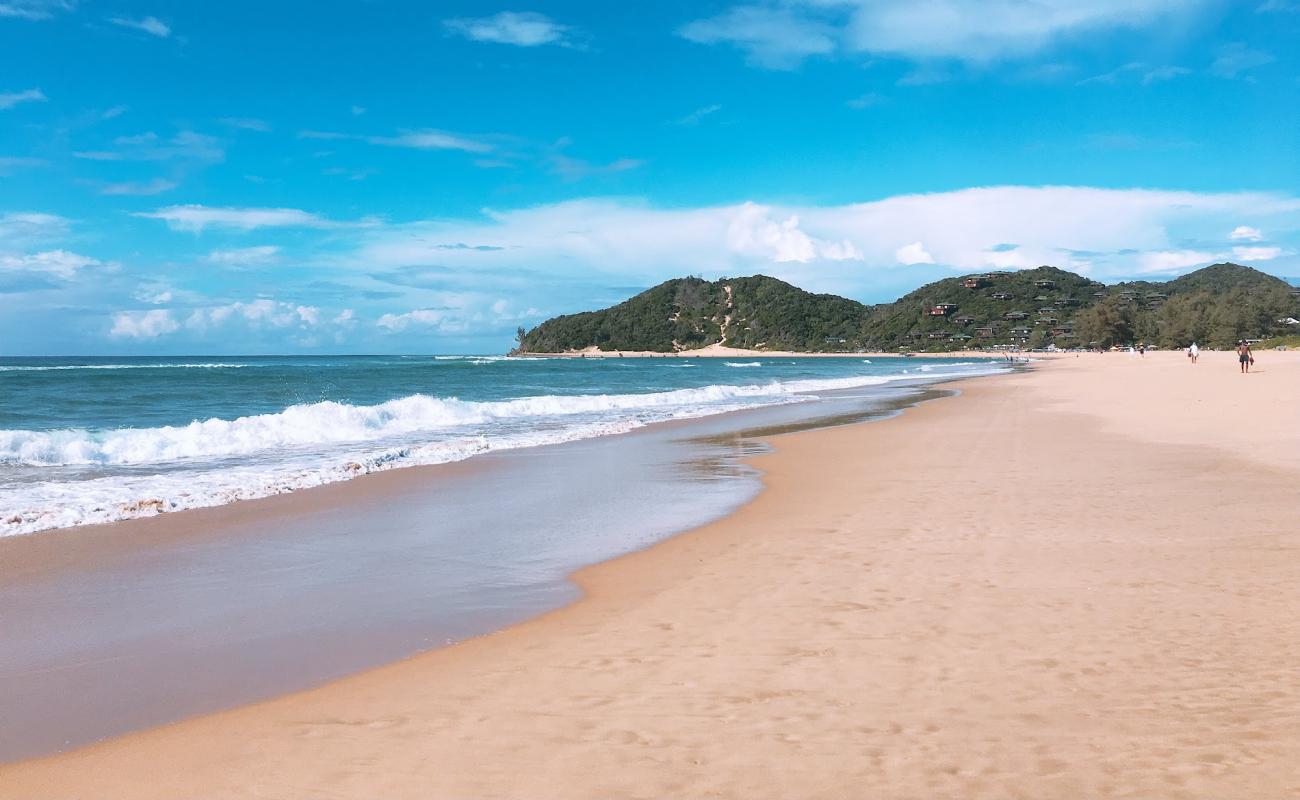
<point>686,313</point>
<point>1214,306</point>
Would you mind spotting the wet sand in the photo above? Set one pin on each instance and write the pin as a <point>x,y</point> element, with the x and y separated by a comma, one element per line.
<point>1075,582</point>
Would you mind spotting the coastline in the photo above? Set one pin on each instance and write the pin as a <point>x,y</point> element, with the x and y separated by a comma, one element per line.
<point>900,646</point>
<point>722,351</point>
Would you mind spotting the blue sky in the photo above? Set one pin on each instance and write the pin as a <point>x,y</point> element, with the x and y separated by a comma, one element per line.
<point>387,176</point>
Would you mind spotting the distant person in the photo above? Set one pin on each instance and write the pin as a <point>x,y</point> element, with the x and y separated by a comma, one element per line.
<point>1244,356</point>
<point>1194,352</point>
<point>1142,350</point>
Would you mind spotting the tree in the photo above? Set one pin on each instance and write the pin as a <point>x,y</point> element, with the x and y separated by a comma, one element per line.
<point>1108,323</point>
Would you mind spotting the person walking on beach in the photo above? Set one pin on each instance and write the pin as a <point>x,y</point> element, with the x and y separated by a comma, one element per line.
<point>1194,352</point>
<point>1142,350</point>
<point>1244,357</point>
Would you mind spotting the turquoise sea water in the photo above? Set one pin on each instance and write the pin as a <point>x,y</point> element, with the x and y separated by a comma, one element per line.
<point>100,439</point>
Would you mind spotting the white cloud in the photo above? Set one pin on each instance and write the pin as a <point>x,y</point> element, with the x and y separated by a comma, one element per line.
<point>865,100</point>
<point>10,99</point>
<point>698,114</point>
<point>520,28</point>
<point>131,188</point>
<point>258,256</point>
<point>261,313</point>
<point>977,31</point>
<point>28,227</point>
<point>437,319</point>
<point>1162,261</point>
<point>429,139</point>
<point>246,124</point>
<point>1106,233</point>
<point>143,324</point>
<point>197,217</point>
<point>150,25</point>
<point>34,9</point>
<point>1233,59</point>
<point>753,232</point>
<point>1256,253</point>
<point>10,163</point>
<point>776,38</point>
<point>914,253</point>
<point>59,263</point>
<point>1164,74</point>
<point>151,147</point>
<point>1245,233</point>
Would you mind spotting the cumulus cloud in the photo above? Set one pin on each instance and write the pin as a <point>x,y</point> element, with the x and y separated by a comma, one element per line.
<point>1256,253</point>
<point>143,324</point>
<point>1107,233</point>
<point>914,253</point>
<point>975,31</point>
<point>437,319</point>
<point>150,25</point>
<point>519,28</point>
<point>260,313</point>
<point>196,218</point>
<point>1245,233</point>
<point>61,264</point>
<point>10,99</point>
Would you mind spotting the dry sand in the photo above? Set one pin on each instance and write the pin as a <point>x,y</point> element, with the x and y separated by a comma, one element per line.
<point>1080,582</point>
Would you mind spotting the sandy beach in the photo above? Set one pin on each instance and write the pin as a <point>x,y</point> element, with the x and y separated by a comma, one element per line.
<point>1076,581</point>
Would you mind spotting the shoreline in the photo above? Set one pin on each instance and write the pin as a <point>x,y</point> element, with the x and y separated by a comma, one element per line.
<point>365,520</point>
<point>949,661</point>
<point>722,351</point>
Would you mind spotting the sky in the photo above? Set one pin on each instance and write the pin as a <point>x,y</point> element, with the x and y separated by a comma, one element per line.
<point>375,176</point>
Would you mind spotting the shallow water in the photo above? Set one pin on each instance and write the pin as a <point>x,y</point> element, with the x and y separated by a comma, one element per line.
<point>86,441</point>
<point>113,628</point>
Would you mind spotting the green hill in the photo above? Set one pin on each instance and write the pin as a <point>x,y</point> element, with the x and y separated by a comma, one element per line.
<point>1030,308</point>
<point>758,312</point>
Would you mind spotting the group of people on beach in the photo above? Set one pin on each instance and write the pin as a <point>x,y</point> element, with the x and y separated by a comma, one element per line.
<point>1244,356</point>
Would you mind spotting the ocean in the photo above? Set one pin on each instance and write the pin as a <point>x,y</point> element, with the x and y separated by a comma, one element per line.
<point>95,440</point>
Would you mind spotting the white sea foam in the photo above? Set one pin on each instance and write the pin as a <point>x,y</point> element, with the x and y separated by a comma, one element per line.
<point>106,475</point>
<point>743,363</point>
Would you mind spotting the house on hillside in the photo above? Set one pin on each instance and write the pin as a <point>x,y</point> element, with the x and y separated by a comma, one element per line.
<point>1046,321</point>
<point>943,309</point>
<point>1099,295</point>
<point>1044,284</point>
<point>1064,301</point>
<point>835,340</point>
<point>959,338</point>
<point>977,281</point>
<point>964,319</point>
<point>1002,296</point>
<point>938,335</point>
<point>1046,311</point>
<point>1015,315</point>
<point>987,332</point>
